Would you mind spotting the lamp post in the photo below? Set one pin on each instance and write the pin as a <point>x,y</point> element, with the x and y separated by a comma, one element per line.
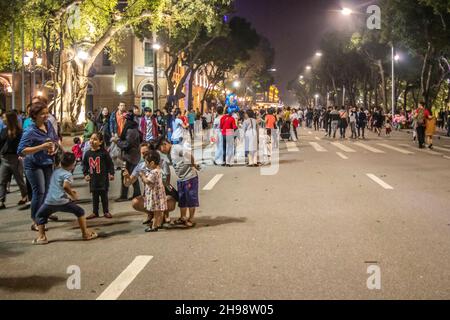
<point>394,58</point>
<point>156,47</point>
<point>30,62</point>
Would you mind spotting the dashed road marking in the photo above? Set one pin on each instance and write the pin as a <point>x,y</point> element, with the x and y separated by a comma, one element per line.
<point>342,147</point>
<point>442,149</point>
<point>213,182</point>
<point>342,155</point>
<point>292,146</point>
<point>423,150</point>
<point>395,148</point>
<point>371,149</point>
<point>380,182</point>
<point>118,286</point>
<point>318,147</point>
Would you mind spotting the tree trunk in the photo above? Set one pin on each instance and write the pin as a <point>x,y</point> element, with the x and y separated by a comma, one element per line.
<point>383,84</point>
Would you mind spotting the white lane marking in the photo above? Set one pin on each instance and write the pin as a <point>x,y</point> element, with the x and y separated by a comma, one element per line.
<point>446,157</point>
<point>213,182</point>
<point>441,149</point>
<point>395,149</point>
<point>371,149</point>
<point>118,286</point>
<point>342,155</point>
<point>380,182</point>
<point>342,147</point>
<point>292,146</point>
<point>318,139</point>
<point>423,150</point>
<point>317,147</point>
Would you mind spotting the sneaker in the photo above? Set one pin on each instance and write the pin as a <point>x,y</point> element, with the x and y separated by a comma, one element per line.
<point>121,200</point>
<point>107,215</point>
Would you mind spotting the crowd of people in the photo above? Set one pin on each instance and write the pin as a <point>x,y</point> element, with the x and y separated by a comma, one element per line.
<point>142,145</point>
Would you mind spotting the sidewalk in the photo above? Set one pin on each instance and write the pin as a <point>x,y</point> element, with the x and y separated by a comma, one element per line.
<point>440,134</point>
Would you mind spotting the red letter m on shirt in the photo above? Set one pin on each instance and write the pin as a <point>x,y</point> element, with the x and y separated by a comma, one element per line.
<point>94,165</point>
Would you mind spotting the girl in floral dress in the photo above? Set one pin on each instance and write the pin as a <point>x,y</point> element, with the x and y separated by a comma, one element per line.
<point>155,199</point>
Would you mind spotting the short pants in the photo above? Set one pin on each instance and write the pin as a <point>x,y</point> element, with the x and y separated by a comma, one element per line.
<point>47,210</point>
<point>188,193</point>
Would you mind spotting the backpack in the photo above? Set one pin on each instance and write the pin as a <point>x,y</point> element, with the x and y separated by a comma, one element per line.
<point>421,117</point>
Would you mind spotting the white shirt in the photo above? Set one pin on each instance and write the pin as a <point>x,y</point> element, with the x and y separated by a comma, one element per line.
<point>177,129</point>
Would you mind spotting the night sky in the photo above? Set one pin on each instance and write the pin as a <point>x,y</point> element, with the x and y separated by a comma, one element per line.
<point>295,28</point>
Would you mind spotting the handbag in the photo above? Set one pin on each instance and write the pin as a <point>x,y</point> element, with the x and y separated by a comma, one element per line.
<point>171,191</point>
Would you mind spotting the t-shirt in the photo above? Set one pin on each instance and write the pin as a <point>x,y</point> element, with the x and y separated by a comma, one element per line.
<point>270,121</point>
<point>191,117</point>
<point>181,162</point>
<point>56,195</point>
<point>149,128</point>
<point>228,125</point>
<point>177,129</point>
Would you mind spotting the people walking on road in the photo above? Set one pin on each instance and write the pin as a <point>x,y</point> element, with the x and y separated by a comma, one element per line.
<point>60,199</point>
<point>10,164</point>
<point>38,145</point>
<point>430,128</point>
<point>420,116</point>
<point>378,121</point>
<point>352,119</point>
<point>98,170</point>
<point>218,155</point>
<point>155,194</point>
<point>250,136</point>
<point>343,122</point>
<point>334,120</point>
<point>186,170</point>
<point>129,144</point>
<point>361,121</point>
<point>178,128</point>
<point>228,126</point>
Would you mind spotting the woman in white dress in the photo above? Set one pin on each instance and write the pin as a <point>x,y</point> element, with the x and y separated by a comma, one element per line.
<point>250,137</point>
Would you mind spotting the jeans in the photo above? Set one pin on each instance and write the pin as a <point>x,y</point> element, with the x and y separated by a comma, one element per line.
<point>47,210</point>
<point>228,149</point>
<point>136,187</point>
<point>353,127</point>
<point>334,126</point>
<point>39,179</point>
<point>361,129</point>
<point>103,195</point>
<point>11,166</point>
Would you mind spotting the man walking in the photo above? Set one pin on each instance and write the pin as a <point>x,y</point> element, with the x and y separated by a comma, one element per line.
<point>420,115</point>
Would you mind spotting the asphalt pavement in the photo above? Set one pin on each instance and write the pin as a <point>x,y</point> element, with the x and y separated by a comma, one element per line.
<point>332,210</point>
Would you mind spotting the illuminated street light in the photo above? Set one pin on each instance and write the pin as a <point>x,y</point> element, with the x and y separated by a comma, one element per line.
<point>346,11</point>
<point>308,68</point>
<point>397,57</point>
<point>121,89</point>
<point>272,70</point>
<point>26,60</point>
<point>236,84</point>
<point>156,46</point>
<point>319,54</point>
<point>302,77</point>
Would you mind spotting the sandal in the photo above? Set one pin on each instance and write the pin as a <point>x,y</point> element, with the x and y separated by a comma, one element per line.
<point>91,236</point>
<point>35,228</point>
<point>151,229</point>
<point>40,242</point>
<point>179,222</point>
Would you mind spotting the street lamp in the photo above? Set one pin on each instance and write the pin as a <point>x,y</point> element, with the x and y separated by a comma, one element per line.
<point>236,84</point>
<point>121,89</point>
<point>317,99</point>
<point>308,68</point>
<point>319,54</point>
<point>346,11</point>
<point>394,58</point>
<point>156,47</point>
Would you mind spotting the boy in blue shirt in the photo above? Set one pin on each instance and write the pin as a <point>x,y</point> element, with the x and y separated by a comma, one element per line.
<point>60,198</point>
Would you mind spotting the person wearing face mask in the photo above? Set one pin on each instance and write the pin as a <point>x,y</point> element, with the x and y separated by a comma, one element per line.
<point>102,124</point>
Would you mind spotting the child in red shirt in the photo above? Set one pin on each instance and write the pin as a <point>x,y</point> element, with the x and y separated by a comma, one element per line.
<point>76,149</point>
